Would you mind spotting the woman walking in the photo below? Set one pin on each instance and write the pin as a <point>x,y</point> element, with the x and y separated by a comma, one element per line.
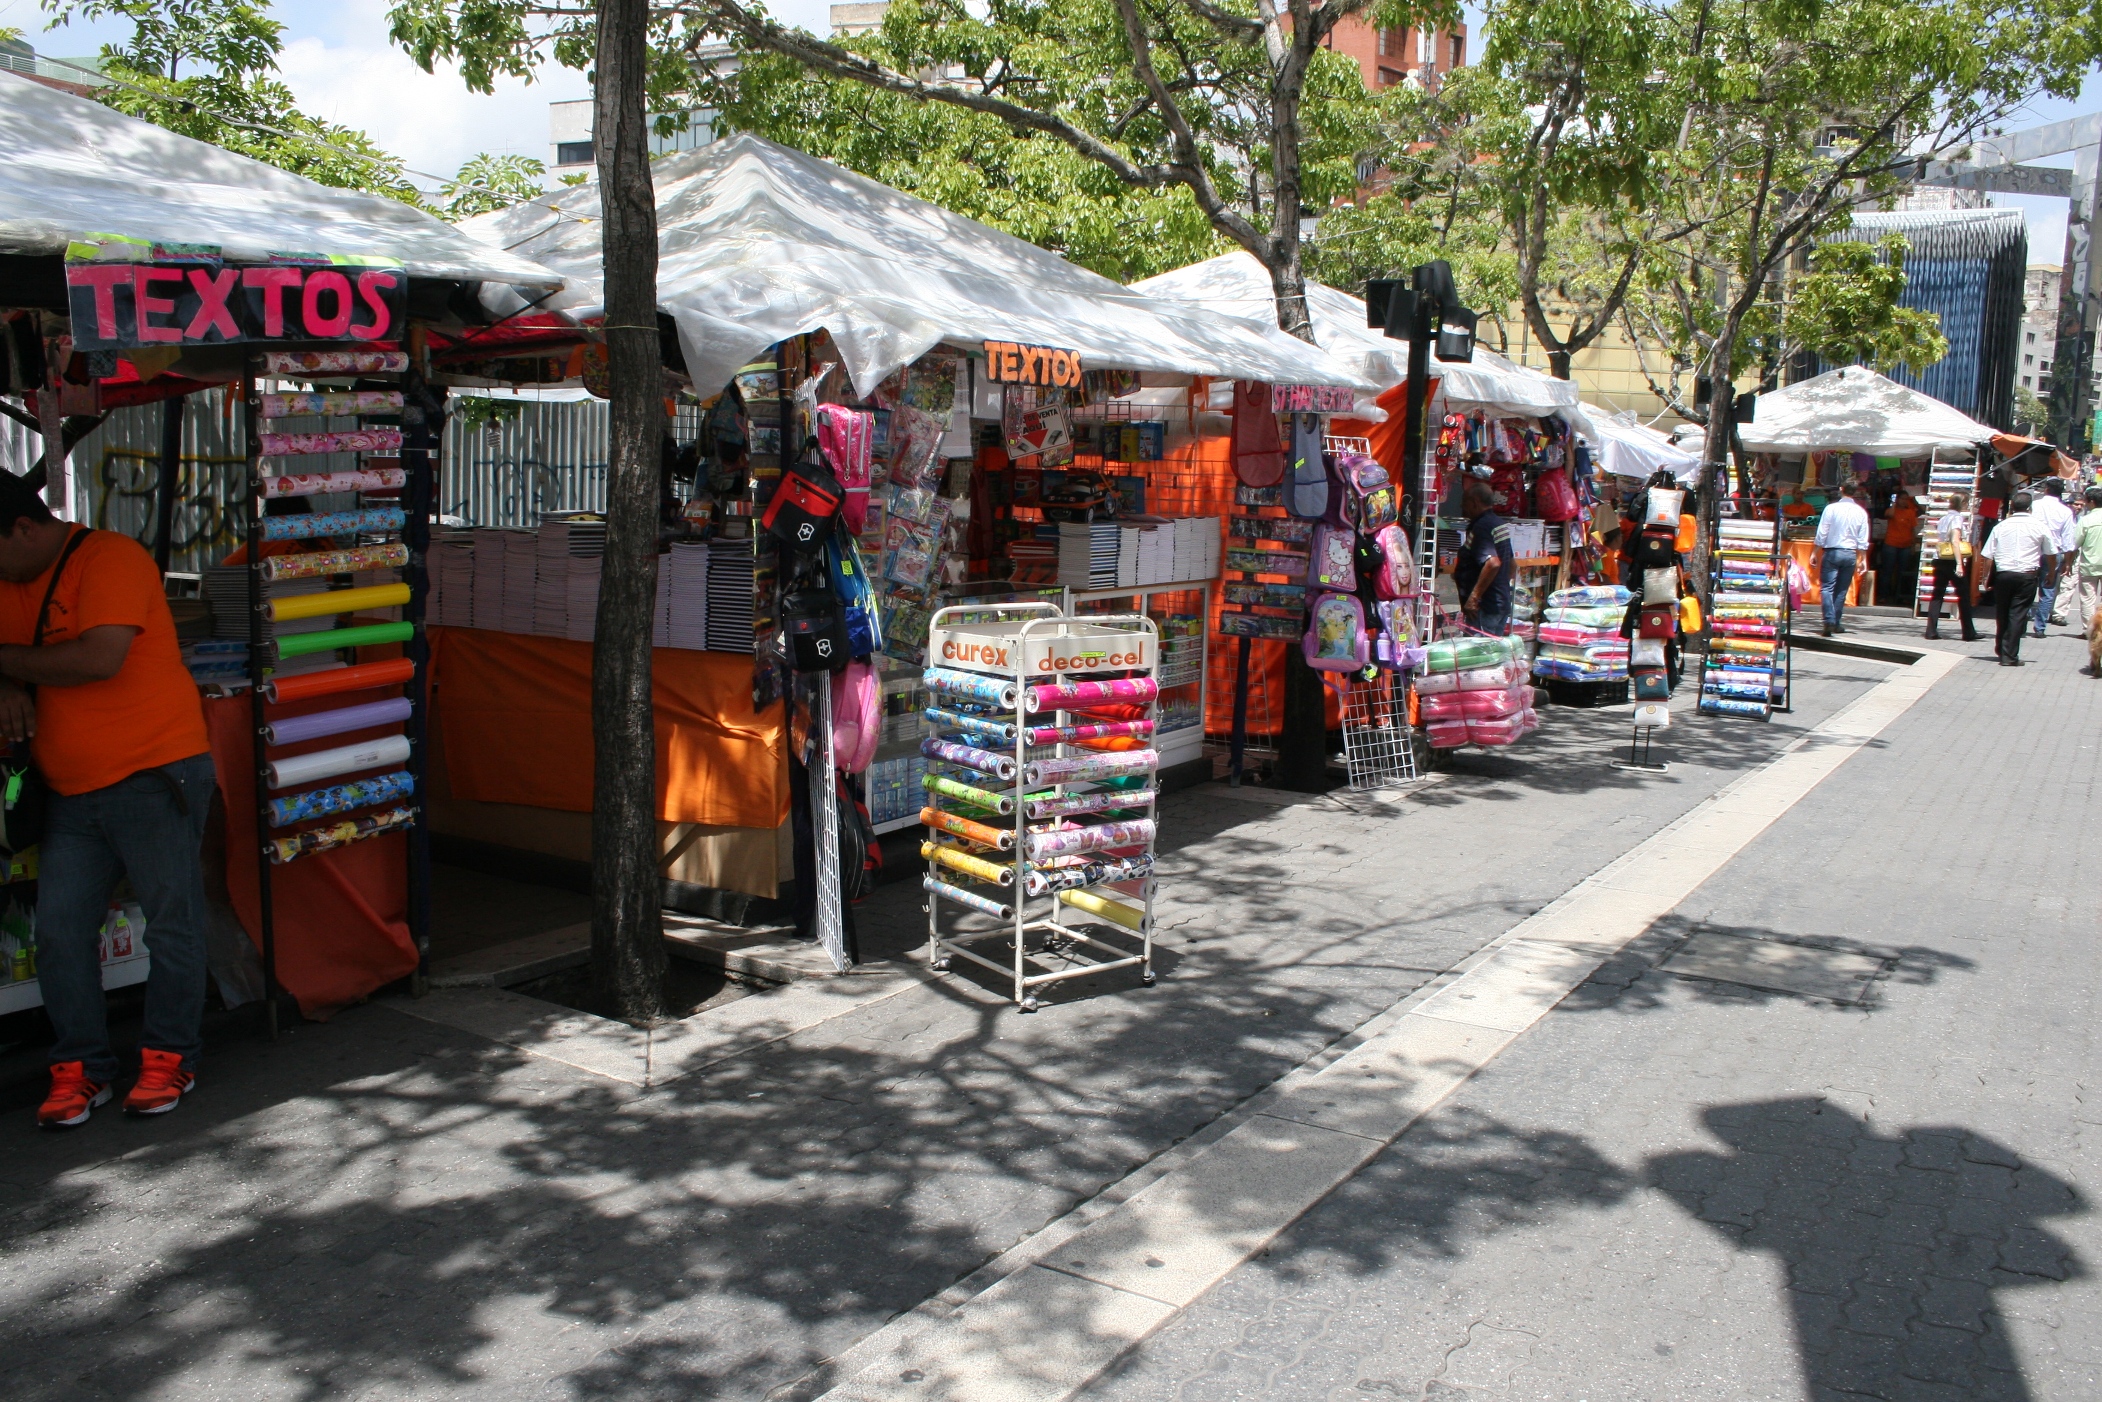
<point>1952,556</point>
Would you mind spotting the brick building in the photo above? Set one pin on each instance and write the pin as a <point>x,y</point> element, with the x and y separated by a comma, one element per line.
<point>1399,53</point>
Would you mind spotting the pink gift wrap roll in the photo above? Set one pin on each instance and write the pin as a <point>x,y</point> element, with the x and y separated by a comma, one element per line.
<point>1065,734</point>
<point>1097,837</point>
<point>349,440</point>
<point>1071,804</point>
<point>1080,768</point>
<point>335,362</point>
<point>970,756</point>
<point>1065,698</point>
<point>308,484</point>
<point>393,555</point>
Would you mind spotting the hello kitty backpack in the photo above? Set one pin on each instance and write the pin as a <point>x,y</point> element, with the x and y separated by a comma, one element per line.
<point>1334,562</point>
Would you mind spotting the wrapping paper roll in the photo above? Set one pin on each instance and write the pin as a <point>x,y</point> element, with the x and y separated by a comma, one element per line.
<point>1067,734</point>
<point>1098,837</point>
<point>1755,646</point>
<point>309,484</point>
<point>1130,917</point>
<point>284,849</point>
<point>294,729</point>
<point>981,798</point>
<point>376,596</point>
<point>1045,880</point>
<point>1079,768</point>
<point>978,726</point>
<point>969,756</point>
<point>344,759</point>
<point>300,644</point>
<point>334,362</point>
<point>972,899</point>
<point>341,798</point>
<point>347,440</point>
<point>1001,838</point>
<point>393,555</point>
<point>991,691</point>
<point>364,401</point>
<point>1755,692</point>
<point>308,685</point>
<point>1730,706</point>
<point>998,873</point>
<point>1069,805</point>
<point>1060,698</point>
<point>1112,744</point>
<point>371,520</point>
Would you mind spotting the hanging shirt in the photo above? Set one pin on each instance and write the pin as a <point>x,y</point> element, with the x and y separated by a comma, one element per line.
<point>1488,538</point>
<point>1844,526</point>
<point>2018,544</point>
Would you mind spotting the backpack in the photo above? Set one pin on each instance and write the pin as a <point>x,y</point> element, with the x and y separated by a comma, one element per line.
<point>857,598</point>
<point>1306,484</point>
<point>1258,457</point>
<point>803,505</point>
<point>1335,639</point>
<point>1396,578</point>
<point>1554,498</point>
<point>1334,561</point>
<point>847,437</point>
<point>814,628</point>
<point>1361,494</point>
<point>857,717</point>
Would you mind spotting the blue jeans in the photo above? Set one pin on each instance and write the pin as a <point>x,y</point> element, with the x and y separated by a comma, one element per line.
<point>137,828</point>
<point>2046,597</point>
<point>1834,578</point>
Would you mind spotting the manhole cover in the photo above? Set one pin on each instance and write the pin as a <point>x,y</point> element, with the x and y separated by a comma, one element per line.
<point>1785,968</point>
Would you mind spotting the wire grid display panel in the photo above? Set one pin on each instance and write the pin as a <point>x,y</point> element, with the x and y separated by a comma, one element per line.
<point>1379,749</point>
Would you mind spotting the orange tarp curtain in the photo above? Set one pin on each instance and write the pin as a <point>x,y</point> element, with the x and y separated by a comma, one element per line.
<point>341,917</point>
<point>515,718</point>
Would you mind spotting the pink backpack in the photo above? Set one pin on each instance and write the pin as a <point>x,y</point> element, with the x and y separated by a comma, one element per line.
<point>1334,563</point>
<point>857,716</point>
<point>1362,495</point>
<point>1396,578</point>
<point>847,437</point>
<point>1335,639</point>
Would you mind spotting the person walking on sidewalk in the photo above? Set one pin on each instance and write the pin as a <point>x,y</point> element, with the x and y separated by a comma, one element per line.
<point>92,677</point>
<point>1952,565</point>
<point>1842,534</point>
<point>2016,555</point>
<point>2057,518</point>
<point>2087,545</point>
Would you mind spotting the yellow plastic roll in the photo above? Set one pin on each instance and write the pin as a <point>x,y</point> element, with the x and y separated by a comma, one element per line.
<point>377,596</point>
<point>1114,911</point>
<point>969,865</point>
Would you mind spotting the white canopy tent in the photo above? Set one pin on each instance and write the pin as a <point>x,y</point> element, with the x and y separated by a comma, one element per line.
<point>1856,410</point>
<point>1238,285</point>
<point>70,166</point>
<point>758,242</point>
<point>1629,448</point>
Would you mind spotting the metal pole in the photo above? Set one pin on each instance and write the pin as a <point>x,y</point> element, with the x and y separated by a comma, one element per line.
<point>171,473</point>
<point>422,436</point>
<point>251,422</point>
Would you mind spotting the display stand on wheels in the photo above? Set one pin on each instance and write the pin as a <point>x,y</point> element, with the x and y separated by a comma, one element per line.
<point>300,798</point>
<point>1042,785</point>
<point>1745,671</point>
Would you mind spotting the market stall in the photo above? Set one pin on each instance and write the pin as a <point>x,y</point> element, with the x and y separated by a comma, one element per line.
<point>142,267</point>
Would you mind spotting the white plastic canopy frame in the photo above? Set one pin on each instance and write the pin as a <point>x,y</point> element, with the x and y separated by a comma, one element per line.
<point>71,166</point>
<point>1238,285</point>
<point>1857,410</point>
<point>758,242</point>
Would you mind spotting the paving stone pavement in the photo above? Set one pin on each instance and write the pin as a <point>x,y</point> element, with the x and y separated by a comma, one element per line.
<point>382,1207</point>
<point>1675,1188</point>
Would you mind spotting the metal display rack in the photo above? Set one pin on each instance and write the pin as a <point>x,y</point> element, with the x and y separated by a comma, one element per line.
<point>343,793</point>
<point>1008,778</point>
<point>1747,667</point>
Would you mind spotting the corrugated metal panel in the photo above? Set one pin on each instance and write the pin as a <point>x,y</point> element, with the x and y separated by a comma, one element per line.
<point>531,459</point>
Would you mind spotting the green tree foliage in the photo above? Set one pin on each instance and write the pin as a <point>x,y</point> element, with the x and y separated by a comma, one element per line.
<point>489,182</point>
<point>206,69</point>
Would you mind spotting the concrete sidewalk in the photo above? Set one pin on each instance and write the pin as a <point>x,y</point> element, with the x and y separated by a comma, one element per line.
<point>390,1206</point>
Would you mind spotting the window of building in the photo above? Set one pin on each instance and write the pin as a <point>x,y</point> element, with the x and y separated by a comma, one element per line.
<point>1459,51</point>
<point>2028,360</point>
<point>2025,382</point>
<point>1389,76</point>
<point>573,153</point>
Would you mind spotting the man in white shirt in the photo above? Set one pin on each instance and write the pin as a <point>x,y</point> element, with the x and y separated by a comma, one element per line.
<point>2017,554</point>
<point>2057,518</point>
<point>1842,534</point>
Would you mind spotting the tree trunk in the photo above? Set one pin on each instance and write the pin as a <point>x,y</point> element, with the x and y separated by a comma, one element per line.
<point>1715,454</point>
<point>1558,364</point>
<point>627,934</point>
<point>1302,740</point>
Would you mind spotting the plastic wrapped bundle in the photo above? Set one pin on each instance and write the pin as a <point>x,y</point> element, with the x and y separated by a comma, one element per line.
<point>1591,596</point>
<point>1446,734</point>
<point>1586,616</point>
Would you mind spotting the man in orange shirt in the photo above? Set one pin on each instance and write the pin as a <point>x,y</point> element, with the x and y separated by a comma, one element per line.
<point>92,677</point>
<point>1897,559</point>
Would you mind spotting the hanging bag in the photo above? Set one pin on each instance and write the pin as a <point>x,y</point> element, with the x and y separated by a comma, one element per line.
<point>804,505</point>
<point>1554,498</point>
<point>1335,638</point>
<point>1258,455</point>
<point>1306,486</point>
<point>847,438</point>
<point>25,797</point>
<point>814,630</point>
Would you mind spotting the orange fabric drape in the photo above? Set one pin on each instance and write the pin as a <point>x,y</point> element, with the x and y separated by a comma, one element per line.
<point>515,713</point>
<point>341,917</point>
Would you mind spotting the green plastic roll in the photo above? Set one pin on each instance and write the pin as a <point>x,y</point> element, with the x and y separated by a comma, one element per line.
<point>300,644</point>
<point>985,799</point>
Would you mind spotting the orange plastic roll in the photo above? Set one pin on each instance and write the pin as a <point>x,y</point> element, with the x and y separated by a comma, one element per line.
<point>964,827</point>
<point>365,674</point>
<point>1112,743</point>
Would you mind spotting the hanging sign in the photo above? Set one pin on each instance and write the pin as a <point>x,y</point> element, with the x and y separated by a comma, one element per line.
<point>124,292</point>
<point>1311,399</point>
<point>1009,363</point>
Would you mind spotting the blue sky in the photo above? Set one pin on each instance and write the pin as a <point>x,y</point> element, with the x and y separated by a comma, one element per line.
<point>337,59</point>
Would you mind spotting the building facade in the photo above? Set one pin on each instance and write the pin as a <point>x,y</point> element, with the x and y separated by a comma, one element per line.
<point>1393,54</point>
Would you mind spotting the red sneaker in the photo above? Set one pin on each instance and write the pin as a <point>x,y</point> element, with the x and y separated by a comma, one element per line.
<point>73,1097</point>
<point>161,1085</point>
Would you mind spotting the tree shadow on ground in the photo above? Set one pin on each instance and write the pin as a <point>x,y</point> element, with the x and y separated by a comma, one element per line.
<point>1893,1244</point>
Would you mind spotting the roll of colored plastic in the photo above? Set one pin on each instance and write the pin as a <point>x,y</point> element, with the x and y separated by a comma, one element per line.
<point>1068,734</point>
<point>1116,912</point>
<point>344,759</point>
<point>376,596</point>
<point>995,872</point>
<point>392,555</point>
<point>308,685</point>
<point>984,761</point>
<point>1001,838</point>
<point>378,518</point>
<point>971,686</point>
<point>981,798</point>
<point>1727,706</point>
<point>967,898</point>
<point>302,364</point>
<point>284,849</point>
<point>341,798</point>
<point>346,440</point>
<point>314,484</point>
<point>1071,805</point>
<point>1077,768</point>
<point>979,727</point>
<point>1060,698</point>
<point>300,644</point>
<point>369,401</point>
<point>1042,881</point>
<point>294,729</point>
<point>1101,837</point>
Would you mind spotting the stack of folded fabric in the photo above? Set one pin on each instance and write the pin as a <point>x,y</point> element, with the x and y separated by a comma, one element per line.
<point>1580,637</point>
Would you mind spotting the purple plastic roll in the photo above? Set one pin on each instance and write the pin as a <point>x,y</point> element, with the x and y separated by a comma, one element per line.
<point>296,728</point>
